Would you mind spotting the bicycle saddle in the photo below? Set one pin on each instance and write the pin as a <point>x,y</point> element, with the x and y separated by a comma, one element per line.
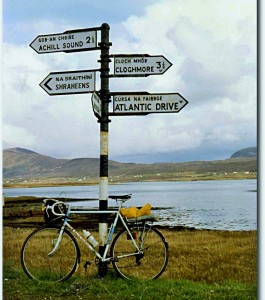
<point>122,197</point>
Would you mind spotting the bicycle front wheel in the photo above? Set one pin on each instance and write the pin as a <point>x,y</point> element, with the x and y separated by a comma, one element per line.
<point>147,264</point>
<point>37,260</point>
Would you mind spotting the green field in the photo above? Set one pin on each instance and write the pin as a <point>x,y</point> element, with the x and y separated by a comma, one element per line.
<point>202,265</point>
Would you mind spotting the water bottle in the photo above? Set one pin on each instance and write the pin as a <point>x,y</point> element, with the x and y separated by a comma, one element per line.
<point>90,238</point>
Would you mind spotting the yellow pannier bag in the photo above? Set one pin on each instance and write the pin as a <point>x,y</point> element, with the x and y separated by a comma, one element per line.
<point>134,212</point>
<point>145,210</point>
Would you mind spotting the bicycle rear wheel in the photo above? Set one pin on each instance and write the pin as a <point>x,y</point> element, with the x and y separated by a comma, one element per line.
<point>152,260</point>
<point>39,265</point>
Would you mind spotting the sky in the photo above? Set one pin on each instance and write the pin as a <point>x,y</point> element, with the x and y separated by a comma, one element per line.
<point>212,45</point>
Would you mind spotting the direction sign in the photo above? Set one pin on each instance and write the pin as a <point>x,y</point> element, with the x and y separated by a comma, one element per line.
<point>73,82</point>
<point>143,103</point>
<point>68,41</point>
<point>96,104</point>
<point>139,65</point>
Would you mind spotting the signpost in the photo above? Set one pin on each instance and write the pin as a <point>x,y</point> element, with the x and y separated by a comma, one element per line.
<point>104,144</point>
<point>139,65</point>
<point>132,103</point>
<point>143,103</point>
<point>68,41</point>
<point>66,83</point>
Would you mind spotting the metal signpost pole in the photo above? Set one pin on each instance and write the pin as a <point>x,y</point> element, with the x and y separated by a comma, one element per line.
<point>104,142</point>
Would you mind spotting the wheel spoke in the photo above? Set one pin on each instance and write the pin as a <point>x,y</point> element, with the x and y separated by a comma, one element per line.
<point>39,265</point>
<point>147,265</point>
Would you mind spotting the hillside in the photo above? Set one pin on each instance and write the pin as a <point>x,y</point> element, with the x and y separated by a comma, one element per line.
<point>246,152</point>
<point>22,165</point>
<point>19,162</point>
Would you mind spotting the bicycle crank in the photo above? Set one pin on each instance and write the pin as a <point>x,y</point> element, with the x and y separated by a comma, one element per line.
<point>138,258</point>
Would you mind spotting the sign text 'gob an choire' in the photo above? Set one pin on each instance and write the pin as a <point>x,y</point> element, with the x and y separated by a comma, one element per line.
<point>68,41</point>
<point>145,103</point>
<point>66,83</point>
<point>139,65</point>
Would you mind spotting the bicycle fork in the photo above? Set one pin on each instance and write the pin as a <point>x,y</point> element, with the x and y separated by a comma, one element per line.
<point>57,243</point>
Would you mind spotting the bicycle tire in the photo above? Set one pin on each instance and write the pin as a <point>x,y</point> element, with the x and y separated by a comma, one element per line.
<point>149,265</point>
<point>57,267</point>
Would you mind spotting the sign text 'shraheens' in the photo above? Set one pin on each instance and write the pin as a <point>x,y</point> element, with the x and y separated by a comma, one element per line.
<point>68,41</point>
<point>139,65</point>
<point>145,103</point>
<point>73,82</point>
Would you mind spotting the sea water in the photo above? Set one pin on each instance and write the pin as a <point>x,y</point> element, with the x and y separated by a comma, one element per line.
<point>221,205</point>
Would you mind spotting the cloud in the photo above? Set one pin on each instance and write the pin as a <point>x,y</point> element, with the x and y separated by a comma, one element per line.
<point>212,45</point>
<point>59,126</point>
<point>18,136</point>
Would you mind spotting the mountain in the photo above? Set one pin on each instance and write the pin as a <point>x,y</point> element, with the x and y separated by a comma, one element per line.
<point>246,152</point>
<point>19,163</point>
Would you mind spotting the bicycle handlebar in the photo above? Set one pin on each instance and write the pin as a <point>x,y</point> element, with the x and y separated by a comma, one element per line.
<point>53,207</point>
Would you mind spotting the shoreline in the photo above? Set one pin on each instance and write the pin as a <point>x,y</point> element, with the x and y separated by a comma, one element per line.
<point>177,228</point>
<point>26,212</point>
<point>197,177</point>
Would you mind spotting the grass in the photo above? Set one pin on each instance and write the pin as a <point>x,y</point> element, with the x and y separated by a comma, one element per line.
<point>202,265</point>
<point>18,287</point>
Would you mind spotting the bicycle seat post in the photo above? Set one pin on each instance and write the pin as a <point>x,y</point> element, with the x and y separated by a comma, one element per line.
<point>120,203</point>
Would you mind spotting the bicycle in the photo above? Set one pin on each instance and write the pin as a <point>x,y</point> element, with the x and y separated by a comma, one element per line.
<point>52,253</point>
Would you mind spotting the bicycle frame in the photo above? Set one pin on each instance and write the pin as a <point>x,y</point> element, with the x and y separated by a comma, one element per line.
<point>84,210</point>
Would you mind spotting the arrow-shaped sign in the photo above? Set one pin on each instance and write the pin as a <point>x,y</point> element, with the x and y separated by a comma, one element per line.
<point>139,65</point>
<point>96,104</point>
<point>143,103</point>
<point>66,83</point>
<point>68,41</point>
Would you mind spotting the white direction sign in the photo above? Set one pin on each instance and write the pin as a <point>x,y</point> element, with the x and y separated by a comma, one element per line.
<point>96,104</point>
<point>139,65</point>
<point>68,41</point>
<point>143,103</point>
<point>73,82</point>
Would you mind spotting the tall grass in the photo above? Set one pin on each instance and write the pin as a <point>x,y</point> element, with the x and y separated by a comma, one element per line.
<point>203,256</point>
<point>202,265</point>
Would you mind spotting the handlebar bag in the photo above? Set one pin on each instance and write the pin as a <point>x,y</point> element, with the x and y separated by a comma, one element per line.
<point>49,216</point>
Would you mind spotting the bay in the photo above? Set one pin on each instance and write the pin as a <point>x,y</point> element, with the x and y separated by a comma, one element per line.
<point>220,205</point>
